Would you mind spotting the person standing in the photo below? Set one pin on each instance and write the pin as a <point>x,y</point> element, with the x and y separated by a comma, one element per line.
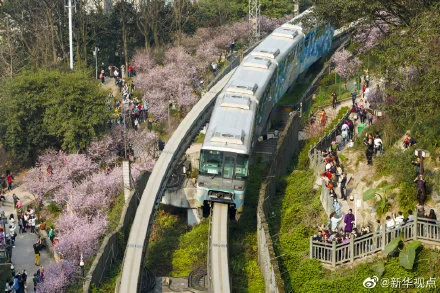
<point>9,178</point>
<point>36,247</point>
<point>8,287</point>
<point>232,46</point>
<point>116,73</point>
<point>342,184</point>
<point>21,226</point>
<point>32,224</point>
<point>12,234</point>
<point>51,234</point>
<point>349,221</point>
<point>323,118</point>
<point>35,279</point>
<point>334,100</point>
<point>377,144</point>
<point>334,221</point>
<point>24,277</point>
<point>420,189</point>
<point>364,88</point>
<point>8,248</point>
<point>102,76</point>
<point>353,97</point>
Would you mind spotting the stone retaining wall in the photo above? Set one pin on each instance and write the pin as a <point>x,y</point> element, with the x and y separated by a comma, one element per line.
<point>288,145</point>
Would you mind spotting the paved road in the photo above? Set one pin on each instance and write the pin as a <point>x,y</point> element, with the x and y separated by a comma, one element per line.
<point>23,253</point>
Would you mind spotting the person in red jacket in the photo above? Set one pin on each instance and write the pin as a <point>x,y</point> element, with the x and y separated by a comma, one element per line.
<point>9,179</point>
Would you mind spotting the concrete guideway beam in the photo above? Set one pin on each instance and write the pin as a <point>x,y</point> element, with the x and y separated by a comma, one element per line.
<point>175,148</point>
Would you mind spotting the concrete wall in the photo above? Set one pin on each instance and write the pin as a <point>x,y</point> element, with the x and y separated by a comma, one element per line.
<point>113,246</point>
<point>287,146</point>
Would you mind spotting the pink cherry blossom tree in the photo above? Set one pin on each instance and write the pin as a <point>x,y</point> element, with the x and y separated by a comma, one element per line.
<point>93,195</point>
<point>346,64</point>
<point>268,24</point>
<point>58,276</point>
<point>369,36</point>
<point>79,234</point>
<point>143,61</point>
<point>171,82</point>
<point>104,150</point>
<point>54,169</point>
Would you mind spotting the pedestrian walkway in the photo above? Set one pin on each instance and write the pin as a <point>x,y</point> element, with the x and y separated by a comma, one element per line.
<point>23,257</point>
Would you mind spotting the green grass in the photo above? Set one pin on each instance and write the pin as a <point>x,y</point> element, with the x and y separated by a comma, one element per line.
<point>292,97</point>
<point>168,227</point>
<point>191,251</point>
<point>176,249</point>
<point>108,285</point>
<point>114,214</point>
<point>199,138</point>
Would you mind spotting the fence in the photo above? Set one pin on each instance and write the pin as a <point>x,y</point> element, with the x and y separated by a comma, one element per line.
<point>358,247</point>
<point>268,261</point>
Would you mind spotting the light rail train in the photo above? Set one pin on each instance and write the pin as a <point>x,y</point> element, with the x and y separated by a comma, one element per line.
<point>242,110</point>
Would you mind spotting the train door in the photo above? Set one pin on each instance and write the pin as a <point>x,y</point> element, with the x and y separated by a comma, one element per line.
<point>228,166</point>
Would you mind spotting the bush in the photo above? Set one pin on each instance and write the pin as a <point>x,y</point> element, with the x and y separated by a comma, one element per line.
<point>54,209</point>
<point>328,79</point>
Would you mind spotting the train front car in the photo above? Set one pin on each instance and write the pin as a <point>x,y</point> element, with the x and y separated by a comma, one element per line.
<point>224,157</point>
<point>242,111</point>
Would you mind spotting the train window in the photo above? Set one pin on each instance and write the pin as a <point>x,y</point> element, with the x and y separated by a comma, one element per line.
<point>228,167</point>
<point>241,168</point>
<point>210,162</point>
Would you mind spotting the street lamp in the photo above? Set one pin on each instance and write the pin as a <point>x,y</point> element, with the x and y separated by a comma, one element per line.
<point>95,53</point>
<point>171,106</point>
<point>81,264</point>
<point>125,135</point>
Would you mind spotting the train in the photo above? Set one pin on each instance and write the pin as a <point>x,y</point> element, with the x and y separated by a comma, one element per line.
<point>242,110</point>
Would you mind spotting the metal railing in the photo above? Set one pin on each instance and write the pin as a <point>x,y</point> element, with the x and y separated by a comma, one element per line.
<point>358,247</point>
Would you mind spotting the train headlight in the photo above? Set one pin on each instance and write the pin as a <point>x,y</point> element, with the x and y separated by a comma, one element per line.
<point>236,187</point>
<point>241,196</point>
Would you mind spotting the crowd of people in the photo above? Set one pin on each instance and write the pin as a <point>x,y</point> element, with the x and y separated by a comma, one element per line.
<point>342,227</point>
<point>18,281</point>
<point>22,220</point>
<point>135,111</point>
<point>332,231</point>
<point>329,234</point>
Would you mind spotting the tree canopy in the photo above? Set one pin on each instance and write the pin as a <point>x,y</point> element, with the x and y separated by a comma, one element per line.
<point>408,57</point>
<point>412,72</point>
<point>42,109</point>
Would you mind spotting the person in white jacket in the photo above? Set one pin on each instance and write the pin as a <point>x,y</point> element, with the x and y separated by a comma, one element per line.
<point>334,221</point>
<point>32,223</point>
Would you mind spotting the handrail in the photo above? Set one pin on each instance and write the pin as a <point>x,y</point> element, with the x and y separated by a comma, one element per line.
<point>338,253</point>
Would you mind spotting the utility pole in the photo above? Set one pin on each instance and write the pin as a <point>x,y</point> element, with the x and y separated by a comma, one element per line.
<point>70,34</point>
<point>254,19</point>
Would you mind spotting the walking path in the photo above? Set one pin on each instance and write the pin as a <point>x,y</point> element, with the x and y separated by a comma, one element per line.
<point>355,167</point>
<point>23,257</point>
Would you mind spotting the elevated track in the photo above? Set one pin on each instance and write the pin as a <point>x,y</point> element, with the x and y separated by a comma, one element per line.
<point>188,129</point>
<point>218,258</point>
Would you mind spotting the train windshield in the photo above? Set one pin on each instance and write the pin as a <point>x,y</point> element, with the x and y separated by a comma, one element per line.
<point>222,164</point>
